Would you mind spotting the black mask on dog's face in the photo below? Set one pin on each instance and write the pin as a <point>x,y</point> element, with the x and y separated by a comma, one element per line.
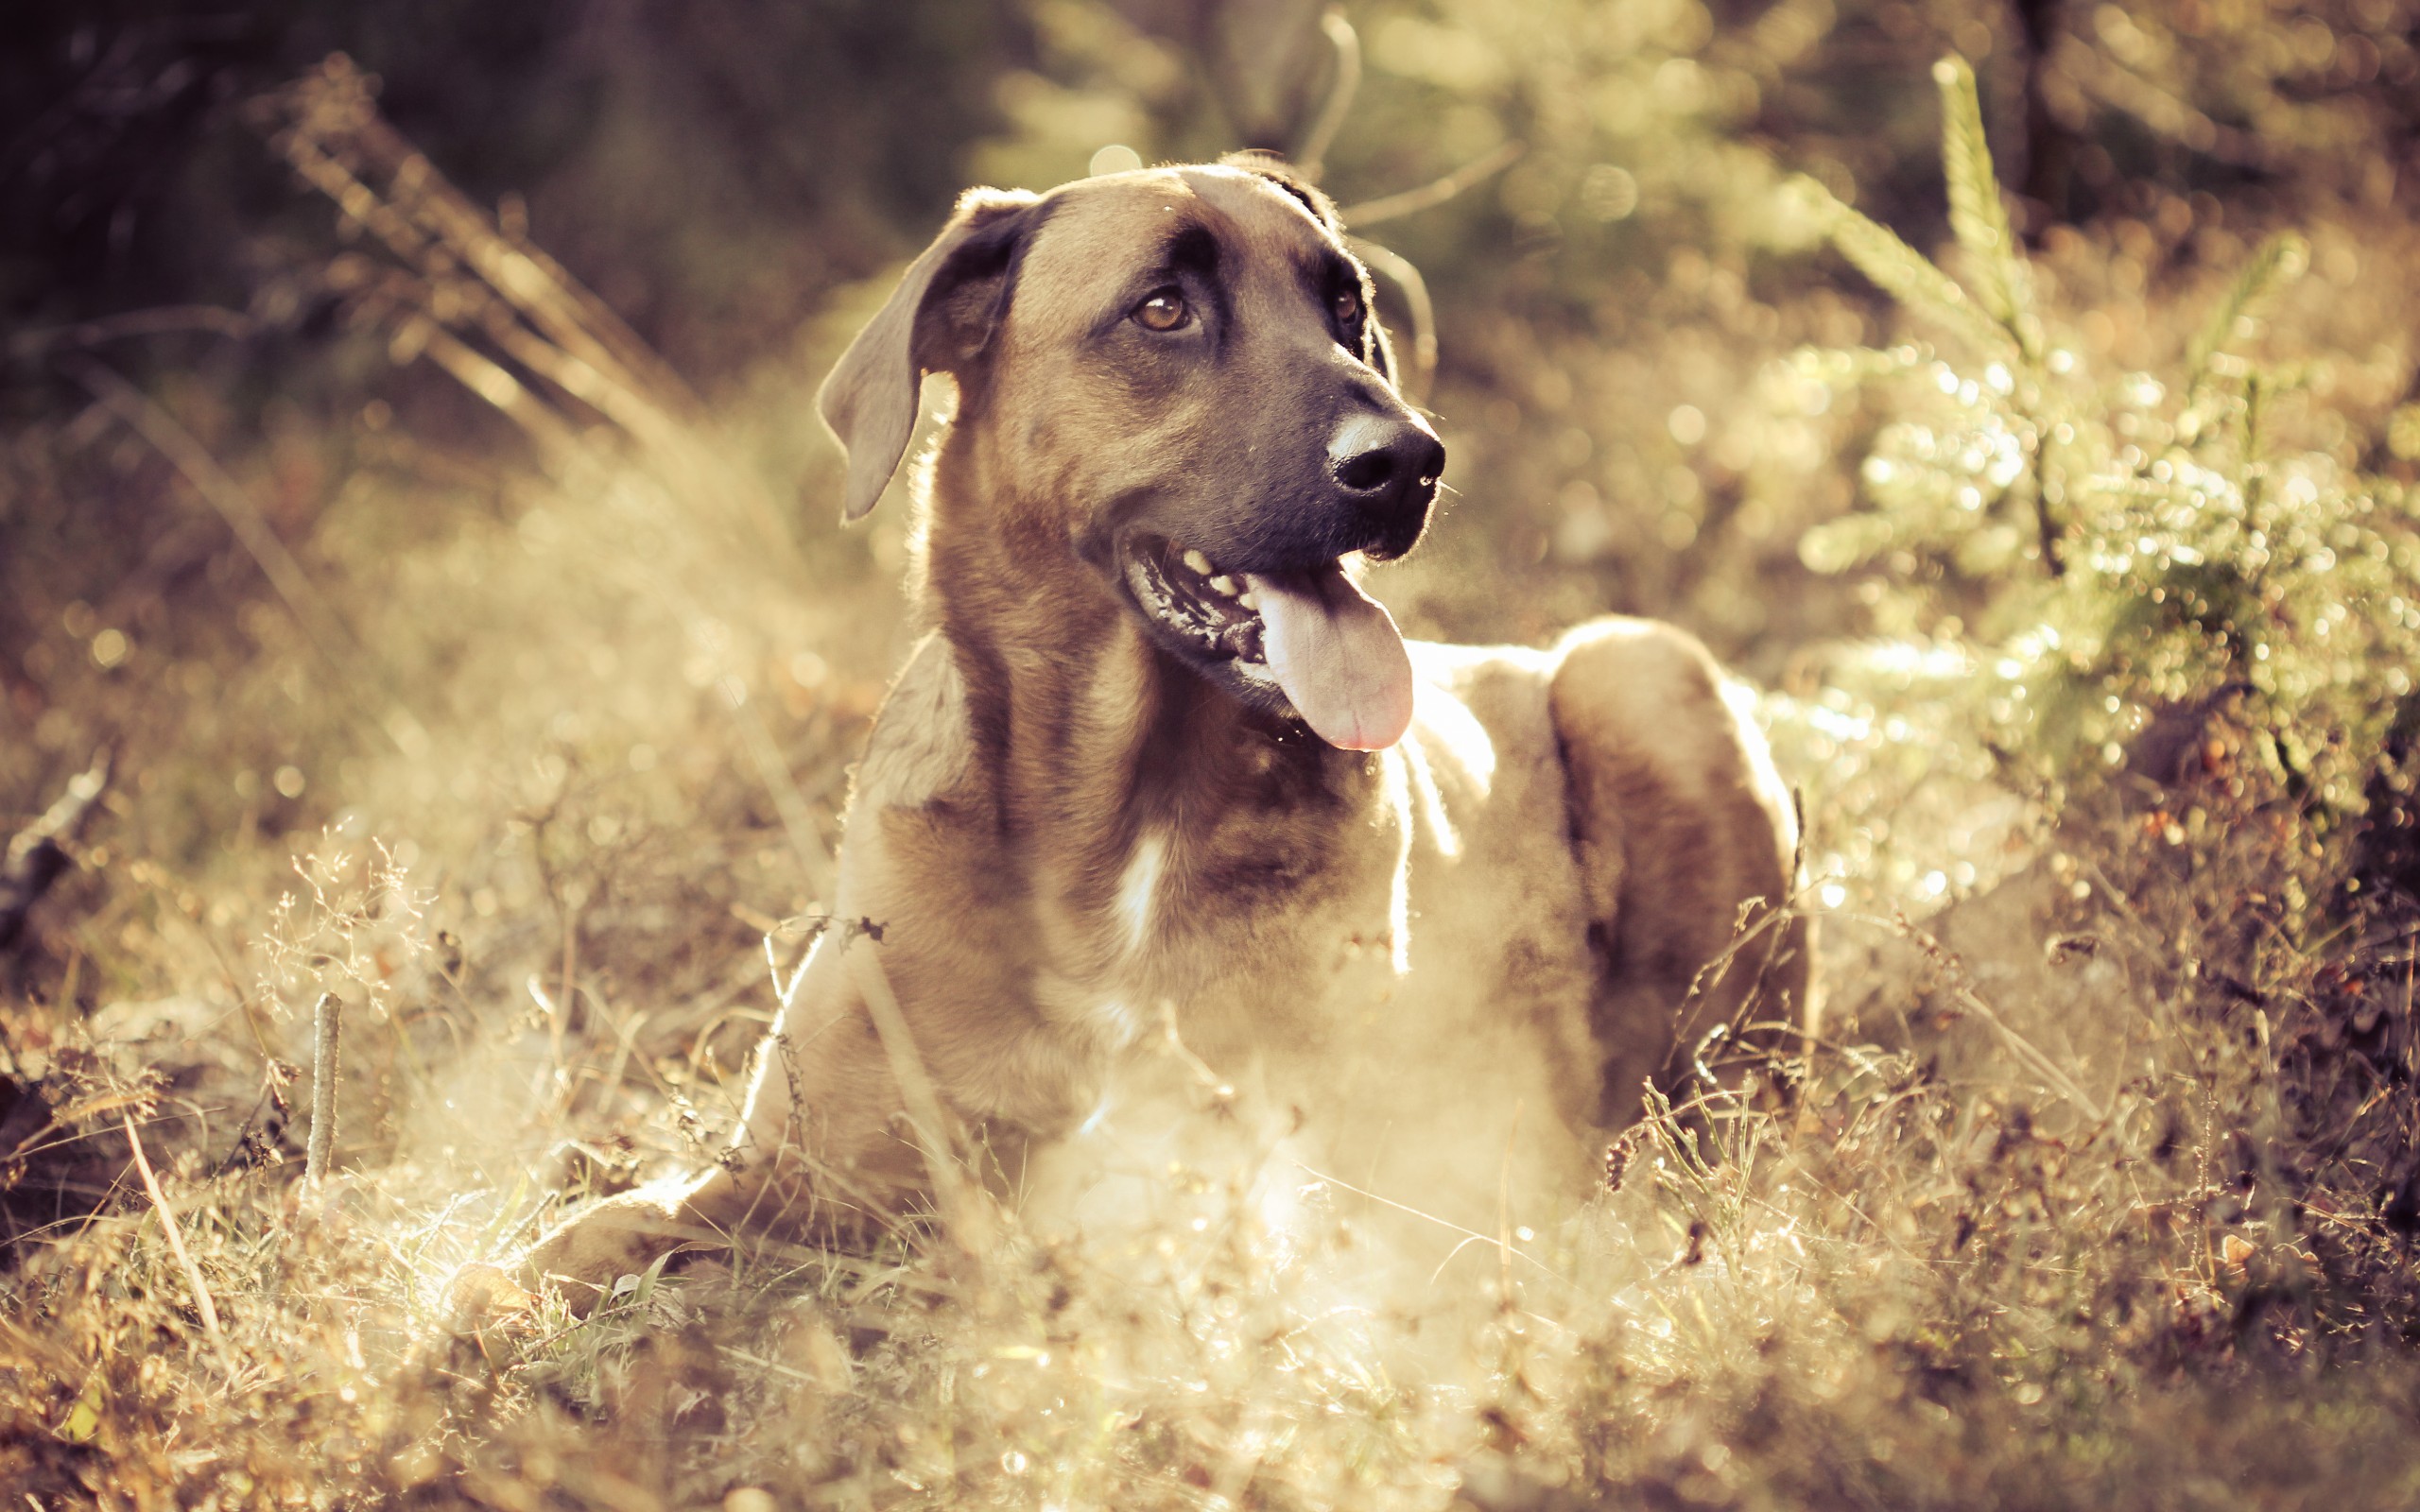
<point>1182,366</point>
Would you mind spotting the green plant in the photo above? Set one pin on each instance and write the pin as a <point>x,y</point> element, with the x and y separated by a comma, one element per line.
<point>2121,551</point>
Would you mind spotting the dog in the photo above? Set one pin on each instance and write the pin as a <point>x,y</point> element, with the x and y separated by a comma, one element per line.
<point>1162,774</point>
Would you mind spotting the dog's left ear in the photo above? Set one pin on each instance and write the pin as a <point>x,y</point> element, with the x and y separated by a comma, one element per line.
<point>940,317</point>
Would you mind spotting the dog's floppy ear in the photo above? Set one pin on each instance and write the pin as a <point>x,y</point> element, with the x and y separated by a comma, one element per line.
<point>941,316</point>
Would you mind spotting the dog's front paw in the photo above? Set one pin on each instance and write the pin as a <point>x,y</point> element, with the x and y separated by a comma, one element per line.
<point>481,1296</point>
<point>585,1255</point>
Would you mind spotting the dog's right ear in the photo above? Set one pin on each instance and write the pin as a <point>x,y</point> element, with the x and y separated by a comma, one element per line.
<point>940,317</point>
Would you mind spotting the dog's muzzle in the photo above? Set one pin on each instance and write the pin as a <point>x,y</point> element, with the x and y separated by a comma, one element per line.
<point>1310,638</point>
<point>1388,467</point>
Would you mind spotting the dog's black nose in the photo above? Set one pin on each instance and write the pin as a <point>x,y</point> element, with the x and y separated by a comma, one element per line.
<point>1387,463</point>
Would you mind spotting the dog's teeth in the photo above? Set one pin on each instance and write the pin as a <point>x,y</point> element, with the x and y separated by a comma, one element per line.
<point>1225,585</point>
<point>1248,599</point>
<point>1197,562</point>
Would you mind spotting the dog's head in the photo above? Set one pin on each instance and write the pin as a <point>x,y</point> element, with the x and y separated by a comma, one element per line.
<point>1179,369</point>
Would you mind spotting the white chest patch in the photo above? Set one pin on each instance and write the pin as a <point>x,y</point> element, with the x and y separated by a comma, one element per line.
<point>1138,891</point>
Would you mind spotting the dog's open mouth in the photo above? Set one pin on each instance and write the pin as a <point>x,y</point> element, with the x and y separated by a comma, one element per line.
<point>1330,648</point>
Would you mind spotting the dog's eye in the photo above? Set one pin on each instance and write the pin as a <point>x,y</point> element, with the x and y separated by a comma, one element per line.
<point>1164,311</point>
<point>1347,305</point>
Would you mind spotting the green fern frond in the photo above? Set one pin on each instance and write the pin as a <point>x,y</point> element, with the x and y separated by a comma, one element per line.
<point>1904,273</point>
<point>1977,214</point>
<point>2280,261</point>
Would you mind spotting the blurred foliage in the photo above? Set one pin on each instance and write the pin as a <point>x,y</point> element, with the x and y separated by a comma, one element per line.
<point>713,170</point>
<point>2127,547</point>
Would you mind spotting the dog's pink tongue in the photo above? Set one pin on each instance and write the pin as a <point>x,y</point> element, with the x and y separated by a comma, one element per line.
<point>1338,654</point>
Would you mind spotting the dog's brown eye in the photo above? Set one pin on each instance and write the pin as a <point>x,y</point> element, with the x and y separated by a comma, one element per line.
<point>1348,307</point>
<point>1164,311</point>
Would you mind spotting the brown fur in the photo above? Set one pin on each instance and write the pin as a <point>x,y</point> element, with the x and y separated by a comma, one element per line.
<point>1066,837</point>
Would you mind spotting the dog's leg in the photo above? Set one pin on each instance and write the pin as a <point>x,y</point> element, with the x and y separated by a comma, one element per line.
<point>815,1156</point>
<point>1688,847</point>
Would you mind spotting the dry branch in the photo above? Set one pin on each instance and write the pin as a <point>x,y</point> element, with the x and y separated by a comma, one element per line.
<point>208,319</point>
<point>1437,191</point>
<point>201,1301</point>
<point>498,315</point>
<point>327,125</point>
<point>327,1031</point>
<point>1311,160</point>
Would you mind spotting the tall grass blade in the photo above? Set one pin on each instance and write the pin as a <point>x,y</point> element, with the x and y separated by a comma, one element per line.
<point>927,1118</point>
<point>203,1303</point>
<point>1905,274</point>
<point>2281,260</point>
<point>1978,217</point>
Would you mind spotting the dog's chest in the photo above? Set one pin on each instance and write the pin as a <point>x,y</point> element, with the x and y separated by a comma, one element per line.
<point>1330,948</point>
<point>1415,1016</point>
<point>1441,907</point>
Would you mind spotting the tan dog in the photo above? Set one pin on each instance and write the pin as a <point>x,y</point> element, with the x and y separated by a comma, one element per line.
<point>1161,766</point>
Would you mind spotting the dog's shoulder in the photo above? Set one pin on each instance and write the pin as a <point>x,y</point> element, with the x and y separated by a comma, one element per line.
<point>1480,723</point>
<point>922,748</point>
<point>1646,697</point>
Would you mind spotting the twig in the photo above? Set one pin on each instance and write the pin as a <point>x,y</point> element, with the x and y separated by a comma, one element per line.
<point>38,851</point>
<point>1504,1211</point>
<point>1415,299</point>
<point>201,1301</point>
<point>1973,1002</point>
<point>1312,160</point>
<point>2059,1081</point>
<point>775,1365</point>
<point>321,625</point>
<point>327,125</point>
<point>1469,1235</point>
<point>1401,271</point>
<point>327,1029</point>
<point>322,628</point>
<point>16,1147</point>
<point>2161,112</point>
<point>1469,176</point>
<point>620,1066</point>
<point>1771,919</point>
<point>490,381</point>
<point>166,320</point>
<point>474,284</point>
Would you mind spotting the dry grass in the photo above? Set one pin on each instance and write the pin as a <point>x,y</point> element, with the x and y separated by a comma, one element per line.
<point>2100,1191</point>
